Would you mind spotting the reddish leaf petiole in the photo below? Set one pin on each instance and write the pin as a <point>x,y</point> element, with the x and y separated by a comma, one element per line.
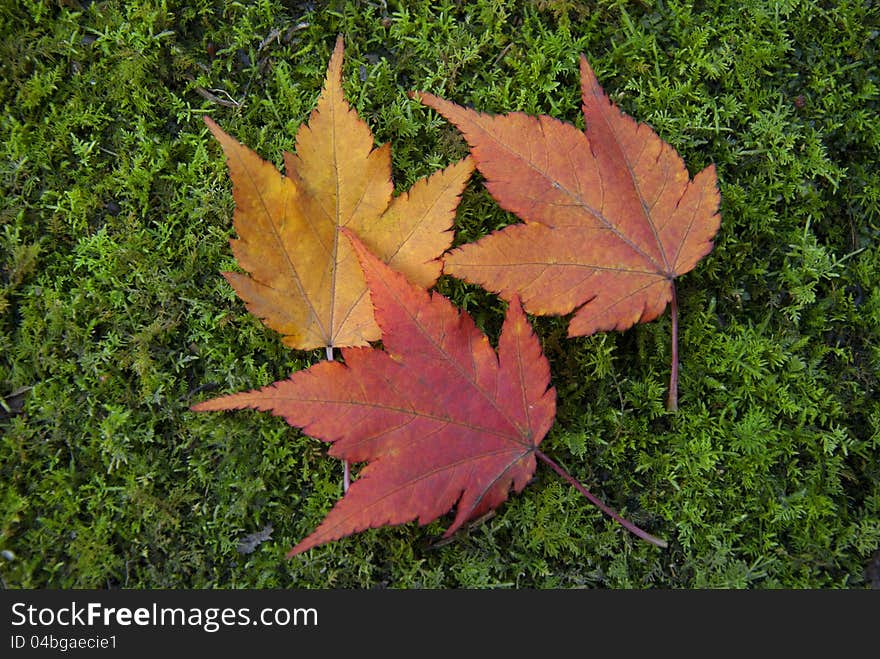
<point>629,526</point>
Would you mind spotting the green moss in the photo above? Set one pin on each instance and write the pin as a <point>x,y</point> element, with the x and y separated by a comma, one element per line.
<point>115,216</point>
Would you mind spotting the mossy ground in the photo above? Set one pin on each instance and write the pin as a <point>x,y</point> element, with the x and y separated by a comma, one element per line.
<point>114,221</point>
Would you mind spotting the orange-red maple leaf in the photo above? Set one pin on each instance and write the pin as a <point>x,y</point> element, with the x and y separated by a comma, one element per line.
<point>438,417</point>
<point>441,420</point>
<point>610,214</point>
<point>304,281</point>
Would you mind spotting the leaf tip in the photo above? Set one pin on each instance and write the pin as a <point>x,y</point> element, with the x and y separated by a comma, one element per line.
<point>426,98</point>
<point>214,127</point>
<point>352,237</point>
<point>210,405</point>
<point>585,64</point>
<point>225,139</point>
<point>334,68</point>
<point>588,75</point>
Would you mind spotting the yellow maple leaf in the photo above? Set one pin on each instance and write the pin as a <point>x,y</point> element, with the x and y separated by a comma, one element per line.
<point>303,279</point>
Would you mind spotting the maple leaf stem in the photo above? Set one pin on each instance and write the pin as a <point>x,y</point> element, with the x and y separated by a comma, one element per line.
<point>346,468</point>
<point>672,401</point>
<point>629,526</point>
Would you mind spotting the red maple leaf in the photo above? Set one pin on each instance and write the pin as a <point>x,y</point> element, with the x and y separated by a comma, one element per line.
<point>441,420</point>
